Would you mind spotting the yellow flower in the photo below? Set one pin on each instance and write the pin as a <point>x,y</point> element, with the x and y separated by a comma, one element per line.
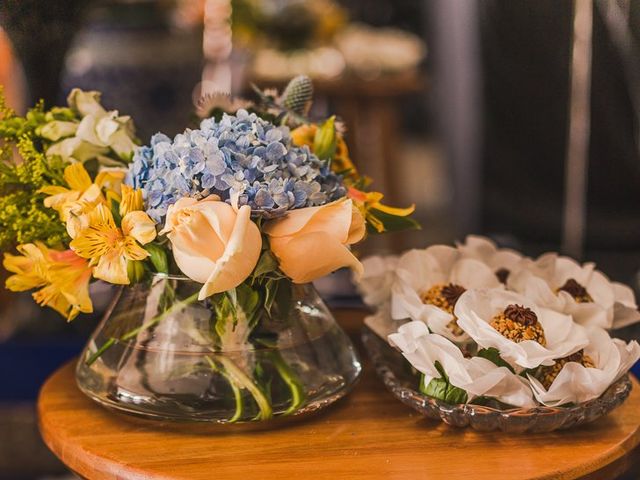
<point>80,189</point>
<point>74,202</point>
<point>341,162</point>
<point>81,195</point>
<point>63,276</point>
<point>110,248</point>
<point>131,200</point>
<point>110,180</point>
<point>28,267</point>
<point>369,202</point>
<point>304,134</point>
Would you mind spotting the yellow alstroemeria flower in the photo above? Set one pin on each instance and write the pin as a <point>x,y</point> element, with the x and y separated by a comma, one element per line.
<point>341,162</point>
<point>80,189</point>
<point>29,267</point>
<point>63,276</point>
<point>74,202</point>
<point>131,200</point>
<point>368,201</point>
<point>110,179</point>
<point>110,248</point>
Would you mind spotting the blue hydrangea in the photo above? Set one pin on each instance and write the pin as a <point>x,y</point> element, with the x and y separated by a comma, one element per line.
<point>241,154</point>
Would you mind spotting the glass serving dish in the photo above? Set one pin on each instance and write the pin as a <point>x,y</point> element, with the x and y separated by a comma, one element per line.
<point>402,381</point>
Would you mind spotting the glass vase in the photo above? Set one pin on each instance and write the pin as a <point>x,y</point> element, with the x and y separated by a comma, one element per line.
<point>161,353</point>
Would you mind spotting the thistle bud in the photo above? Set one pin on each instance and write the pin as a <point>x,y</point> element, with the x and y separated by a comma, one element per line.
<point>298,95</point>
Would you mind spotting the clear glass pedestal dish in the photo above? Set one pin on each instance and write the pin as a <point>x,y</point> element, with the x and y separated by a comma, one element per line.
<point>402,381</point>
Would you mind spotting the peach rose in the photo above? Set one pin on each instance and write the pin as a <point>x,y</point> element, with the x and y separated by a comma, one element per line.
<point>212,242</point>
<point>312,242</point>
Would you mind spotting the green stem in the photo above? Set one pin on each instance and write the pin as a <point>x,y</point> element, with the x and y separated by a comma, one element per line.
<point>129,335</point>
<point>237,393</point>
<point>244,381</point>
<point>292,381</point>
<point>97,354</point>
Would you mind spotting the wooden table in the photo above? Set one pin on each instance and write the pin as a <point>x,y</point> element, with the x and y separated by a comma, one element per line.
<point>367,435</point>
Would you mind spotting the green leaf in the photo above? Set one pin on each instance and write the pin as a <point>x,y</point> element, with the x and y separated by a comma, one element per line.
<point>232,295</point>
<point>248,300</point>
<point>325,140</point>
<point>392,223</point>
<point>441,389</point>
<point>60,113</point>
<point>267,263</point>
<point>158,257</point>
<point>284,296</point>
<point>115,211</point>
<point>493,354</point>
<point>224,310</point>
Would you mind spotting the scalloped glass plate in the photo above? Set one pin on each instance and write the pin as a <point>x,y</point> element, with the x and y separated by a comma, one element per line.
<point>397,375</point>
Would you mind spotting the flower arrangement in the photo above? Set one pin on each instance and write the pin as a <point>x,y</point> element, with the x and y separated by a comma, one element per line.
<point>251,203</point>
<point>485,325</point>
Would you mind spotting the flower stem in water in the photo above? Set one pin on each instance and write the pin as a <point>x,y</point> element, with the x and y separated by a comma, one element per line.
<point>291,379</point>
<point>237,392</point>
<point>266,412</point>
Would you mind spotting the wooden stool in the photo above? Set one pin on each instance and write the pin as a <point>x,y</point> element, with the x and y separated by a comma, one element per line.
<point>367,435</point>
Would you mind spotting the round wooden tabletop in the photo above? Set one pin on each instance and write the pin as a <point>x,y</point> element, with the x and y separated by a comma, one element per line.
<point>367,435</point>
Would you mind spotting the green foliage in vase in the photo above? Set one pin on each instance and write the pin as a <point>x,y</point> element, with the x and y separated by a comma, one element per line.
<point>24,169</point>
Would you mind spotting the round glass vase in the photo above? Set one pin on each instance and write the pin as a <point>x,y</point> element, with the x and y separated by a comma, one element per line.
<point>162,354</point>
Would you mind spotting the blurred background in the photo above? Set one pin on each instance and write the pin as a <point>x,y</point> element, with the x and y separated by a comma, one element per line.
<point>516,119</point>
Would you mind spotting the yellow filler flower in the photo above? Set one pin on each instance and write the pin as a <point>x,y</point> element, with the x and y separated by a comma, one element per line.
<point>63,276</point>
<point>110,248</point>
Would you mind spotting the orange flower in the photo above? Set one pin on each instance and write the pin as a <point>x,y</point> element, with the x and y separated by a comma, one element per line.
<point>213,242</point>
<point>63,276</point>
<point>314,241</point>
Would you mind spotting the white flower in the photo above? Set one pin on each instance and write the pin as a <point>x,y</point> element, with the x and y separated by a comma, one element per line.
<point>378,277</point>
<point>477,376</point>
<point>75,149</point>
<point>588,375</point>
<point>477,309</point>
<point>109,130</point>
<point>57,129</point>
<point>421,278</point>
<point>502,261</point>
<point>98,133</point>
<point>625,308</point>
<point>581,291</point>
